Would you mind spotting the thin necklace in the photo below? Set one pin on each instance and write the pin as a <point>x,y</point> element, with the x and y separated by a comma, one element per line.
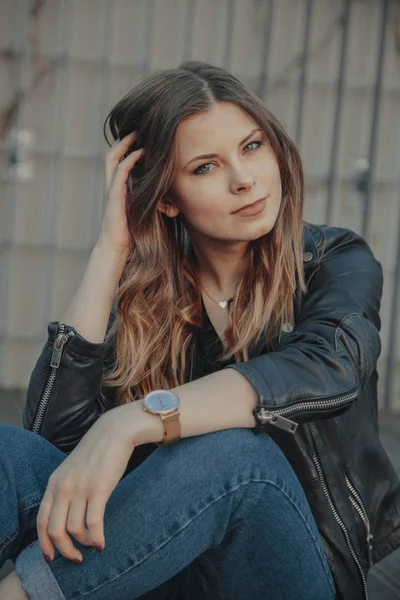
<point>222,303</point>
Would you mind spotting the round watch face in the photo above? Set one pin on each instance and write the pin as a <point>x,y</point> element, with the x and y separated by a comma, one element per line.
<point>161,401</point>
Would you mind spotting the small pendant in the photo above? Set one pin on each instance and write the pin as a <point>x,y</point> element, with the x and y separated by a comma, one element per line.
<point>223,303</point>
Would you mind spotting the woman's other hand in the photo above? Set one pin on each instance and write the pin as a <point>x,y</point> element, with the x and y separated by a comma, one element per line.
<point>78,490</point>
<point>114,233</point>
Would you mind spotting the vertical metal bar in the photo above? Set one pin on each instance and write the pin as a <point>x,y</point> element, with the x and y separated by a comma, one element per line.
<point>373,142</point>
<point>303,74</point>
<point>338,112</point>
<point>266,49</point>
<point>190,18</point>
<point>94,196</point>
<point>11,190</point>
<point>229,34</point>
<point>392,345</point>
<point>148,38</point>
<point>58,128</point>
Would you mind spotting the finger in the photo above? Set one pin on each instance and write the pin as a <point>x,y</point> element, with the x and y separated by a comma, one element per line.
<point>95,519</point>
<point>120,173</point>
<point>118,149</point>
<point>76,520</point>
<point>42,520</point>
<point>57,528</point>
<point>128,163</point>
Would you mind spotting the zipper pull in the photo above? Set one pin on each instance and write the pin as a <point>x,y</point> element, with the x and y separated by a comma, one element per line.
<point>279,421</point>
<point>370,537</point>
<point>57,350</point>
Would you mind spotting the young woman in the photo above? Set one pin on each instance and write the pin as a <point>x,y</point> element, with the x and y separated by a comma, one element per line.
<point>202,423</point>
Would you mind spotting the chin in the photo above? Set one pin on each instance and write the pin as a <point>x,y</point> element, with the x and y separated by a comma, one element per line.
<point>260,230</point>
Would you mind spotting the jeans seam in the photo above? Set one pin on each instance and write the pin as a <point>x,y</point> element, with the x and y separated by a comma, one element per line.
<point>320,554</point>
<point>9,538</point>
<point>30,501</point>
<point>237,486</point>
<point>177,533</point>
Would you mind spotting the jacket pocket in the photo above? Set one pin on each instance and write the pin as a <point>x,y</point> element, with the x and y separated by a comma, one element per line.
<point>359,506</point>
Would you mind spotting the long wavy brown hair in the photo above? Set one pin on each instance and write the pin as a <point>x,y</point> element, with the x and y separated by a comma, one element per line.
<point>159,307</point>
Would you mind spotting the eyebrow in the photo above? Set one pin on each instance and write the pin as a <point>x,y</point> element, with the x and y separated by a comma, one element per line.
<point>215,155</point>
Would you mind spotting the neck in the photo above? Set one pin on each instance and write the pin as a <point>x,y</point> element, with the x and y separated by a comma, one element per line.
<point>220,267</point>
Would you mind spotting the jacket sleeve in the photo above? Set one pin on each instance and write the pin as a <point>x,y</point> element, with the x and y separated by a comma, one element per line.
<point>321,366</point>
<point>64,401</point>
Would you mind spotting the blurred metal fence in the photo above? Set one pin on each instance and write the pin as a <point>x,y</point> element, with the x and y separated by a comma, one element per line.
<point>329,70</point>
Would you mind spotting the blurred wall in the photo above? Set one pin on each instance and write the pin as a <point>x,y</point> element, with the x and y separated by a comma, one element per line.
<point>329,70</point>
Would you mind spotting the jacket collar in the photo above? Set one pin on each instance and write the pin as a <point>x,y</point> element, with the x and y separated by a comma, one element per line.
<point>311,239</point>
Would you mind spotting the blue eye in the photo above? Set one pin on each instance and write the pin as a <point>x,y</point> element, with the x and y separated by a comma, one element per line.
<point>198,171</point>
<point>259,144</point>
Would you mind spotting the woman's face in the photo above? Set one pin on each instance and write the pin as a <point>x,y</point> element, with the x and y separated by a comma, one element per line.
<point>244,169</point>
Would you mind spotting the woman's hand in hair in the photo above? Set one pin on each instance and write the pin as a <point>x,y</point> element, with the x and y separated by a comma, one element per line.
<point>114,233</point>
<point>78,490</point>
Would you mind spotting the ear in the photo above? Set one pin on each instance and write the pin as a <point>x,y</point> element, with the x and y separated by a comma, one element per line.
<point>167,207</point>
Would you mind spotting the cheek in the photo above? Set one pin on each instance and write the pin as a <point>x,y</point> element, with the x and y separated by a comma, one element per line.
<point>200,197</point>
<point>206,212</point>
<point>271,172</point>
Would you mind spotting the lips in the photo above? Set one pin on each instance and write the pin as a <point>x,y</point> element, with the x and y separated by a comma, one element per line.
<point>254,205</point>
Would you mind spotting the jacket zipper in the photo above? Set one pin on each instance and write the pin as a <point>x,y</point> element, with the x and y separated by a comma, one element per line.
<point>357,502</point>
<point>59,343</point>
<point>337,515</point>
<point>276,416</point>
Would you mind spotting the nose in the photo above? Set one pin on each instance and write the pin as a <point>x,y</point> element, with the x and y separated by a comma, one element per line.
<point>242,179</point>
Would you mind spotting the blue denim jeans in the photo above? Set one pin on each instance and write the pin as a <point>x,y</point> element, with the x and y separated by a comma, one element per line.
<point>217,516</point>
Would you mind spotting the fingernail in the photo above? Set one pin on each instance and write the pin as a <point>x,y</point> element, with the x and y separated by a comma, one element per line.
<point>47,558</point>
<point>98,548</point>
<point>76,561</point>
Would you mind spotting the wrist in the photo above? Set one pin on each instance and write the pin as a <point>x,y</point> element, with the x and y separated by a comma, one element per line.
<point>116,253</point>
<point>141,427</point>
<point>110,263</point>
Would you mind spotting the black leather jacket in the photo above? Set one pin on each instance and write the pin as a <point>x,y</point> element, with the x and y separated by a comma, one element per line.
<point>323,379</point>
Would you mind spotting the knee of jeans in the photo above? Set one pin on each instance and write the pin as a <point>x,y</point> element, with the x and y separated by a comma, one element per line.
<point>9,434</point>
<point>12,439</point>
<point>16,439</point>
<point>9,441</point>
<point>23,449</point>
<point>237,449</point>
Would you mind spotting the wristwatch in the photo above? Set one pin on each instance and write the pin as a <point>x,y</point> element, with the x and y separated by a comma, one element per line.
<point>165,404</point>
